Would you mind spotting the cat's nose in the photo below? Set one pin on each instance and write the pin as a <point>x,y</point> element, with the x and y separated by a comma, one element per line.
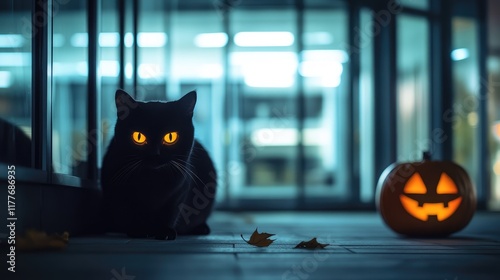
<point>154,153</point>
<point>154,156</point>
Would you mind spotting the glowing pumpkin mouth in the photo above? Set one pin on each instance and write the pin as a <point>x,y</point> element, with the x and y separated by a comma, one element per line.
<point>423,212</point>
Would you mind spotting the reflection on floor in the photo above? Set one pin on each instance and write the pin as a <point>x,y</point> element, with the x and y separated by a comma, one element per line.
<point>361,247</point>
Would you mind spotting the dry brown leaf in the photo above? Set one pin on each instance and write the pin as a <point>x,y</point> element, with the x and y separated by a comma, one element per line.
<point>311,244</point>
<point>259,239</point>
<point>34,240</point>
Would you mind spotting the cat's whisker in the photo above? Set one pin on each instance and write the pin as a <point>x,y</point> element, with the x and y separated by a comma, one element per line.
<point>132,168</point>
<point>179,167</point>
<point>120,175</point>
<point>120,171</point>
<point>193,179</point>
<point>185,171</point>
<point>190,172</point>
<point>186,163</point>
<point>171,168</point>
<point>123,173</point>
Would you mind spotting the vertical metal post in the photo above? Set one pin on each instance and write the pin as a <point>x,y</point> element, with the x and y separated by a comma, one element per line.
<point>135,31</point>
<point>93,133</point>
<point>484,178</point>
<point>385,92</point>
<point>353,105</point>
<point>300,105</point>
<point>443,105</point>
<point>168,9</point>
<point>227,96</point>
<point>121,47</point>
<point>435,79</point>
<point>42,86</point>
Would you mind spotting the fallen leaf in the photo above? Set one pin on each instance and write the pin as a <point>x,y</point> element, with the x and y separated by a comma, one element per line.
<point>34,240</point>
<point>311,244</point>
<point>259,239</point>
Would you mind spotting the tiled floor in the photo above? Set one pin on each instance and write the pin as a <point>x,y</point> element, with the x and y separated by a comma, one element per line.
<point>361,248</point>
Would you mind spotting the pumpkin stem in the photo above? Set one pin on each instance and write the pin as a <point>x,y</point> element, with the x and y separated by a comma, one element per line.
<point>427,155</point>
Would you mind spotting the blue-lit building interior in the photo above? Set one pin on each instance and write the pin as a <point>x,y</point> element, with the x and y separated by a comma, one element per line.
<point>301,104</point>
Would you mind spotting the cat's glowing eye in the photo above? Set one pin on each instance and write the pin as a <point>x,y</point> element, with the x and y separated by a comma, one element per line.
<point>170,138</point>
<point>139,138</point>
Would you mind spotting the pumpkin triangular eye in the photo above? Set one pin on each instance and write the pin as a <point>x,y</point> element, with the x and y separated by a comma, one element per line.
<point>415,185</point>
<point>446,185</point>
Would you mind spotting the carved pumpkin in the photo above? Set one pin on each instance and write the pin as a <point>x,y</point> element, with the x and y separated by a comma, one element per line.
<point>427,198</point>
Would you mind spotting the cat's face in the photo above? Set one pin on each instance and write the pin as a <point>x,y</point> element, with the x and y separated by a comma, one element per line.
<point>156,133</point>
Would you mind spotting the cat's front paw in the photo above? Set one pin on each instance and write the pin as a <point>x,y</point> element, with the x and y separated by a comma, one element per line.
<point>169,234</point>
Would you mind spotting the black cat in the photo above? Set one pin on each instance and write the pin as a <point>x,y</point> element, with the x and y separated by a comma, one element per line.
<point>157,180</point>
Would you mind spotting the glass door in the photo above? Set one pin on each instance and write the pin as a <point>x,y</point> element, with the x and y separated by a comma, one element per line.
<point>261,110</point>
<point>15,84</point>
<point>324,69</point>
<point>413,91</point>
<point>286,104</point>
<point>69,90</point>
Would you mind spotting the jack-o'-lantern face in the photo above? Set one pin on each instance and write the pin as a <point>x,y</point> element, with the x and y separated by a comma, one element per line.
<point>420,202</point>
<point>427,198</point>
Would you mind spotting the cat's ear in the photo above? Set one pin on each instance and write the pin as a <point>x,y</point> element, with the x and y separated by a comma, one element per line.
<point>124,102</point>
<point>188,101</point>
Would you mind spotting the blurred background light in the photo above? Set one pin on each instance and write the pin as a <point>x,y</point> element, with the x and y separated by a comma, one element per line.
<point>210,71</point>
<point>151,39</point>
<point>109,39</point>
<point>15,59</point>
<point>266,69</point>
<point>320,68</point>
<point>149,71</point>
<point>82,68</point>
<point>459,54</point>
<point>79,40</point>
<point>109,68</point>
<point>129,40</point>
<point>11,41</point>
<point>211,40</point>
<point>330,81</point>
<point>318,38</point>
<point>473,118</point>
<point>325,55</point>
<point>5,79</point>
<point>268,78</point>
<point>264,39</point>
<point>129,70</point>
<point>288,137</point>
